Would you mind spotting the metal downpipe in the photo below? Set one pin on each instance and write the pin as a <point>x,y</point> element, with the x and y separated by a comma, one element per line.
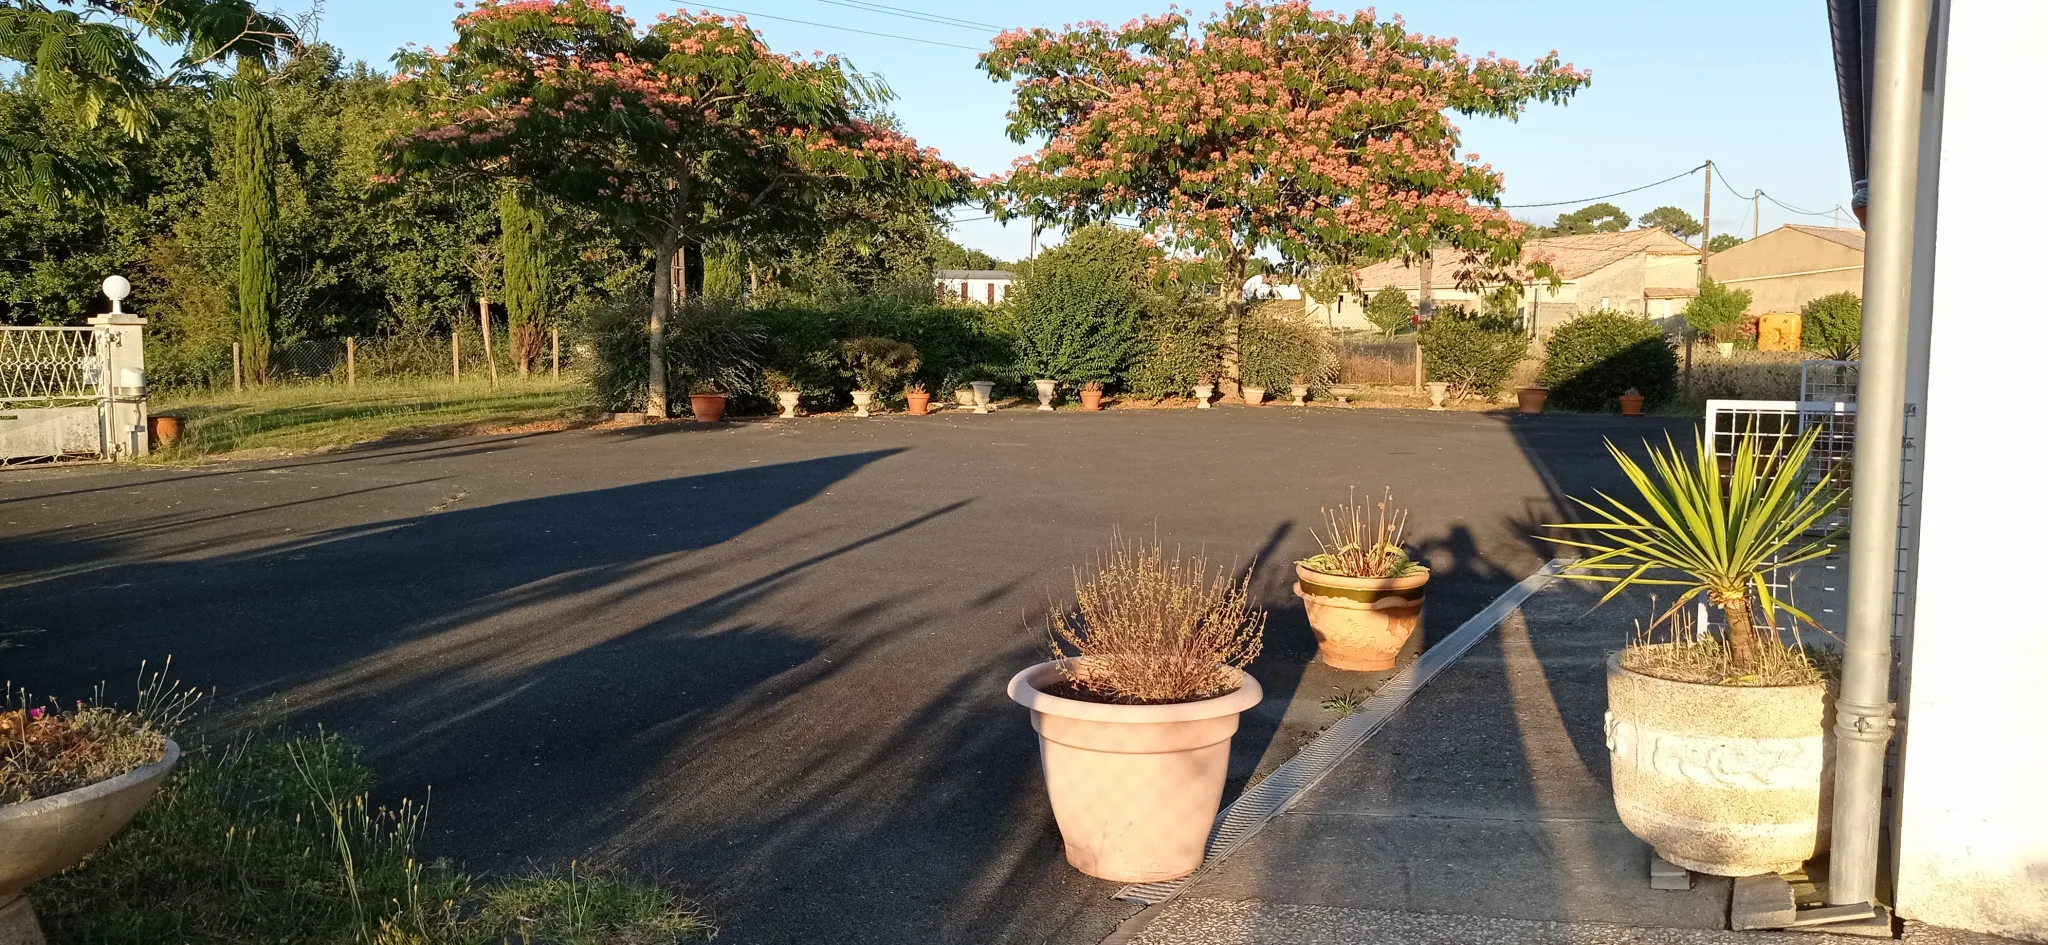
<point>1863,710</point>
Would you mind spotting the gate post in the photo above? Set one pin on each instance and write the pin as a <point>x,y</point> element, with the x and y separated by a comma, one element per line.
<point>124,385</point>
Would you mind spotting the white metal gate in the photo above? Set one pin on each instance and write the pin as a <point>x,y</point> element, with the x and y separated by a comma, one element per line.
<point>1819,587</point>
<point>55,390</point>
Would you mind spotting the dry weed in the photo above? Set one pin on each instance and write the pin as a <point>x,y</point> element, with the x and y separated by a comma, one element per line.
<point>1352,550</point>
<point>1150,628</point>
<point>1688,652</point>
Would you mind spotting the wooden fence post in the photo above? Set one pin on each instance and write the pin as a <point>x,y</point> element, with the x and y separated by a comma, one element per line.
<point>1418,365</point>
<point>238,367</point>
<point>483,319</point>
<point>555,361</point>
<point>351,362</point>
<point>455,351</point>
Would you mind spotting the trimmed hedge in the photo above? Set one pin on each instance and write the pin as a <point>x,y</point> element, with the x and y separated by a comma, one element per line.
<point>1279,342</point>
<point>1594,358</point>
<point>1474,359</point>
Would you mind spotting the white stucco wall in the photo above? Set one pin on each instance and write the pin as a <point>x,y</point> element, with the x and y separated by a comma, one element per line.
<point>977,289</point>
<point>1973,792</point>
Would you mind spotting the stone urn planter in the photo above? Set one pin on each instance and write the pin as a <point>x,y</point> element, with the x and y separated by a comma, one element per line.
<point>1438,390</point>
<point>1254,396</point>
<point>1343,393</point>
<point>1300,392</point>
<point>1531,398</point>
<point>1727,348</point>
<point>964,397</point>
<point>1046,390</point>
<point>1631,403</point>
<point>1091,397</point>
<point>862,399</point>
<point>983,390</point>
<point>789,400</point>
<point>1134,788</point>
<point>1360,623</point>
<point>917,402</point>
<point>1727,780</point>
<point>707,407</point>
<point>48,835</point>
<point>1203,392</point>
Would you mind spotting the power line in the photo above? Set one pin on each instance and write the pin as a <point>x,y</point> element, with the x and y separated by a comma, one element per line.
<point>845,29</point>
<point>887,10</point>
<point>1585,200</point>
<point>1767,196</point>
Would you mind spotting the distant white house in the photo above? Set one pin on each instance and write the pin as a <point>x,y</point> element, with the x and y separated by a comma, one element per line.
<point>1258,287</point>
<point>980,286</point>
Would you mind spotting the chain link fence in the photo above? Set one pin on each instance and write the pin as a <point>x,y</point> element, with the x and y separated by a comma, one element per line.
<point>1387,363</point>
<point>413,357</point>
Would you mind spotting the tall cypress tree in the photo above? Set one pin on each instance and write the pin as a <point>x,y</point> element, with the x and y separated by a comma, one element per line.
<point>522,222</point>
<point>255,170</point>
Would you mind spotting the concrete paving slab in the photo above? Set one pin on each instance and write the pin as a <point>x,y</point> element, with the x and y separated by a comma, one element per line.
<point>1224,922</point>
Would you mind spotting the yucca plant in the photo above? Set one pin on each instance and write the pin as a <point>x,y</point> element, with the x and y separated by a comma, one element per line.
<point>1712,534</point>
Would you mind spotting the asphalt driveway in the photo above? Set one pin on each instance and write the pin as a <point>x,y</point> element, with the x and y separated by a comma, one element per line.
<point>762,660</point>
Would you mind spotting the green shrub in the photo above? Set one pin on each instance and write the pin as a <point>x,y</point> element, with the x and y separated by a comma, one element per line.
<point>1834,324</point>
<point>709,344</point>
<point>1077,312</point>
<point>1278,342</point>
<point>1594,358</point>
<point>1390,310</point>
<point>1180,342</point>
<point>878,364</point>
<point>1474,359</point>
<point>952,341</point>
<point>1715,306</point>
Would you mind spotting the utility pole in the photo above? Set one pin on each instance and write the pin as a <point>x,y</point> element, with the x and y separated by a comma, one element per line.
<point>1756,223</point>
<point>1707,221</point>
<point>1032,253</point>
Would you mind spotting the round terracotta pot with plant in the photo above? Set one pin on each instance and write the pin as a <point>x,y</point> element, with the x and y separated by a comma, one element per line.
<point>916,400</point>
<point>707,407</point>
<point>1091,396</point>
<point>1531,399</point>
<point>1253,396</point>
<point>1135,714</point>
<point>70,783</point>
<point>164,429</point>
<point>1631,403</point>
<point>1363,594</point>
<point>1718,737</point>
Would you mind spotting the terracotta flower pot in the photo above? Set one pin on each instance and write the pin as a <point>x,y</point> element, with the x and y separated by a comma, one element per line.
<point>50,834</point>
<point>789,400</point>
<point>1134,788</point>
<point>707,407</point>
<point>1202,394</point>
<point>861,400</point>
<point>1091,399</point>
<point>1631,405</point>
<point>1531,398</point>
<point>1361,623</point>
<point>1254,396</point>
<point>917,403</point>
<point>1728,780</point>
<point>165,429</point>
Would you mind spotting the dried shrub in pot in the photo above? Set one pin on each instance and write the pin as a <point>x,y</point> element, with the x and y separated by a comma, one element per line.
<point>1150,628</point>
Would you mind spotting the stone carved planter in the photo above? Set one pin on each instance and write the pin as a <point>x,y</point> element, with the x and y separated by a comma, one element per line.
<point>1046,390</point>
<point>1300,392</point>
<point>1134,788</point>
<point>1343,393</point>
<point>982,391</point>
<point>50,834</point>
<point>789,400</point>
<point>1254,396</point>
<point>862,399</point>
<point>1727,780</point>
<point>1202,394</point>
<point>1361,624</point>
<point>1437,391</point>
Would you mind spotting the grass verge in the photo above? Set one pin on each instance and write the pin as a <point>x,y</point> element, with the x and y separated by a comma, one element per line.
<point>324,416</point>
<point>273,840</point>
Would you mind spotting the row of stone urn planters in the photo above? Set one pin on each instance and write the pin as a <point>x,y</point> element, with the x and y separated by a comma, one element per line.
<point>1729,779</point>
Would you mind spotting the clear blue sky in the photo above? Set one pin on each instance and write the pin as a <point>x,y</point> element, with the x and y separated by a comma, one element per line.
<point>1748,83</point>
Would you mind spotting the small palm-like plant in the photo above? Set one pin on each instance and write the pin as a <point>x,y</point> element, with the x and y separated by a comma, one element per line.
<point>1712,534</point>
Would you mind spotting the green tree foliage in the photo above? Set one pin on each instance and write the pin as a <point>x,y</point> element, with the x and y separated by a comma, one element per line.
<point>1474,359</point>
<point>1597,218</point>
<point>1716,307</point>
<point>1671,220</point>
<point>1723,242</point>
<point>678,133</point>
<point>1078,311</point>
<point>947,254</point>
<point>724,275</point>
<point>880,365</point>
<point>1390,311</point>
<point>522,243</point>
<point>1180,342</point>
<point>255,169</point>
<point>1593,359</point>
<point>1834,324</point>
<point>709,346</point>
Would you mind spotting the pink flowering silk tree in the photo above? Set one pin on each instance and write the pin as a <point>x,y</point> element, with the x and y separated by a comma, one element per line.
<point>1269,126</point>
<point>684,132</point>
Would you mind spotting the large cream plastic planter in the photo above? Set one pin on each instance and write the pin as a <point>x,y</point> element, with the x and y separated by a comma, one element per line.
<point>48,835</point>
<point>1361,623</point>
<point>1135,788</point>
<point>1727,780</point>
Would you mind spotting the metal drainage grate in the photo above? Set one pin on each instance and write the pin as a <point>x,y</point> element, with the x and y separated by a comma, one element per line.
<point>1270,798</point>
